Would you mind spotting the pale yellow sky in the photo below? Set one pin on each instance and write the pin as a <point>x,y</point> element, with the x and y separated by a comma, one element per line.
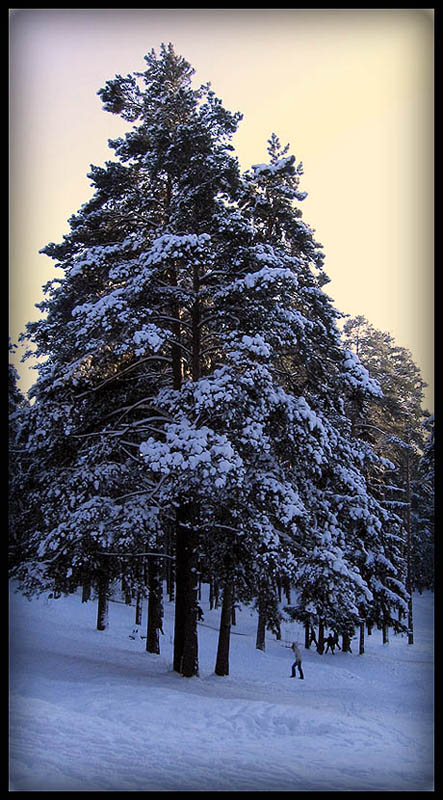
<point>350,90</point>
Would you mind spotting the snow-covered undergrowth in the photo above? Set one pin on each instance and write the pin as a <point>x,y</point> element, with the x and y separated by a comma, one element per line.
<point>92,710</point>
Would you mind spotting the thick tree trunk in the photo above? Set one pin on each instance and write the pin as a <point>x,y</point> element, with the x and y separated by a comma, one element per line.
<point>155,607</point>
<point>222,663</point>
<point>186,602</point>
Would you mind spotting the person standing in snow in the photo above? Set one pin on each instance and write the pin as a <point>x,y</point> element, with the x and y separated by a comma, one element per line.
<point>298,659</point>
<point>332,643</point>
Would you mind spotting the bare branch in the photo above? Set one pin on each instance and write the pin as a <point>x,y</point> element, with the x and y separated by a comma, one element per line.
<point>133,555</point>
<point>118,375</point>
<point>177,320</point>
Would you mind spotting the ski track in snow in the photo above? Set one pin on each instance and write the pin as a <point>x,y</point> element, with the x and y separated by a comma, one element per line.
<point>92,711</point>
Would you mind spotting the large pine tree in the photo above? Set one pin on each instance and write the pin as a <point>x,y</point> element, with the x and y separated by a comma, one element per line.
<point>195,376</point>
<point>125,320</point>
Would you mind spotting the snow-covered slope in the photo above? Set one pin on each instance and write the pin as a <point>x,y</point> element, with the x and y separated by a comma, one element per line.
<point>92,710</point>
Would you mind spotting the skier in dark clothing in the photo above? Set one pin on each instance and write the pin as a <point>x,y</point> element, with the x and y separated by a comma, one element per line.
<point>298,659</point>
<point>312,637</point>
<point>332,643</point>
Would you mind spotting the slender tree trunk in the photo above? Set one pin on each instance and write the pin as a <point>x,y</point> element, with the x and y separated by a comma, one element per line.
<point>222,663</point>
<point>155,607</point>
<point>176,353</point>
<point>409,555</point>
<point>103,598</point>
<point>287,587</point>
<point>139,595</point>
<point>410,621</point>
<point>86,591</point>
<point>260,642</point>
<point>170,582</point>
<point>126,590</point>
<point>211,593</point>
<point>214,594</point>
<point>139,607</point>
<point>307,635</point>
<point>321,638</point>
<point>361,647</point>
<point>185,626</point>
<point>233,613</point>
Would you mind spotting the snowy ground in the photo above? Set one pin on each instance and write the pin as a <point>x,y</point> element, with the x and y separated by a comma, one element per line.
<point>92,710</point>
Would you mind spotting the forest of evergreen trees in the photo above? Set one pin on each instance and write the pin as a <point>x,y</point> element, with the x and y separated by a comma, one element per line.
<point>202,412</point>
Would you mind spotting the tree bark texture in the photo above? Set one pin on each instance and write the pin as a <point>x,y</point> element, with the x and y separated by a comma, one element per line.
<point>102,605</point>
<point>155,606</point>
<point>260,642</point>
<point>139,607</point>
<point>321,638</point>
<point>222,663</point>
<point>361,647</point>
<point>86,591</point>
<point>186,600</point>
